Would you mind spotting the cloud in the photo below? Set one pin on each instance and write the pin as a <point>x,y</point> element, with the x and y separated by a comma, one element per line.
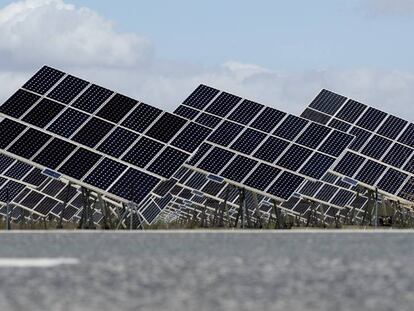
<point>388,8</point>
<point>79,41</point>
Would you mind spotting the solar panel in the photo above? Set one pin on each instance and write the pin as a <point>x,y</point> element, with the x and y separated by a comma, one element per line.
<point>380,156</point>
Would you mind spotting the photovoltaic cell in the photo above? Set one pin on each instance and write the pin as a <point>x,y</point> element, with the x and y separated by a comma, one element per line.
<point>9,130</point>
<point>361,137</point>
<point>117,108</point>
<point>238,169</point>
<point>68,122</point>
<point>19,103</point>
<point>328,102</point>
<point>245,112</point>
<point>268,119</point>
<point>225,133</point>
<point>339,125</point>
<point>35,177</point>
<point>191,137</point>
<point>315,116</point>
<point>376,147</point>
<point>223,104</point>
<point>168,162</point>
<point>392,181</point>
<point>208,120</point>
<point>262,176</point>
<point>248,141</point>
<point>166,127</point>
<point>351,111</point>
<point>43,113</point>
<point>201,151</point>
<point>370,172</point>
<point>143,152</point>
<point>290,127</point>
<point>118,142</point>
<point>326,193</point>
<point>105,173</point>
<point>68,89</point>
<point>29,143</point>
<point>141,118</point>
<point>43,80</point>
<point>54,153</point>
<point>371,119</point>
<point>201,97</point>
<point>285,185</point>
<point>317,165</point>
<point>18,170</point>
<point>80,163</point>
<point>392,127</point>
<point>186,112</point>
<point>349,164</point>
<point>215,160</point>
<point>271,149</point>
<point>294,157</point>
<point>407,137</point>
<point>134,185</point>
<point>92,98</point>
<point>92,132</point>
<point>313,135</point>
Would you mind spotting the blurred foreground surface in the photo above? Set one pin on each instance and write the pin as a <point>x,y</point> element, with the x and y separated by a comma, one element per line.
<point>210,271</point>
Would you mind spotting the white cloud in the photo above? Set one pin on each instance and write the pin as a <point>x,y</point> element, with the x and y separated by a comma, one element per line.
<point>78,40</point>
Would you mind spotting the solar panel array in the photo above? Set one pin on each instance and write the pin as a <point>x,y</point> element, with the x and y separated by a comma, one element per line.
<point>257,147</point>
<point>94,137</point>
<point>382,154</point>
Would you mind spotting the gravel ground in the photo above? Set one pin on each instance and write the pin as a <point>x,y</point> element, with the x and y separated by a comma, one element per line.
<point>210,271</point>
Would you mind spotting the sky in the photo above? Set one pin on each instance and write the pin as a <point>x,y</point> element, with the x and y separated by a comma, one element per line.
<point>279,53</point>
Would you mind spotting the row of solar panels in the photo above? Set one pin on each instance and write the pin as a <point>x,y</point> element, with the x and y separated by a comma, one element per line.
<point>58,128</point>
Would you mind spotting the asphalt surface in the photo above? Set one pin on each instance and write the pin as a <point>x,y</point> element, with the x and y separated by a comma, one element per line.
<point>207,271</point>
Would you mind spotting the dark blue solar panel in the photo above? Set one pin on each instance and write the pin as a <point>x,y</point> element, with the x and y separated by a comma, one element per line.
<point>326,193</point>
<point>134,185</point>
<point>68,122</point>
<point>313,135</point>
<point>339,125</point>
<point>79,163</point>
<point>223,104</point>
<point>43,80</point>
<point>349,164</point>
<point>342,198</point>
<point>215,160</point>
<point>328,102</point>
<point>105,173</point>
<point>19,103</point>
<point>317,165</point>
<point>92,98</point>
<point>186,112</point>
<point>376,147</point>
<point>197,180</point>
<point>392,127</point>
<point>285,185</point>
<point>18,170</point>
<point>35,177</point>
<point>212,188</point>
<point>371,119</point>
<point>310,188</point>
<point>238,169</point>
<point>370,172</point>
<point>54,153</point>
<point>166,127</point>
<point>118,142</point>
<point>408,190</point>
<point>262,176</point>
<point>9,131</point>
<point>199,154</point>
<point>225,133</point>
<point>29,143</point>
<point>248,141</point>
<point>245,112</point>
<point>191,137</point>
<point>201,97</point>
<point>392,181</point>
<point>93,132</point>
<point>407,136</point>
<point>351,111</point>
<point>268,119</point>
<point>290,127</point>
<point>315,116</point>
<point>68,89</point>
<point>117,108</point>
<point>13,189</point>
<point>43,113</point>
<point>271,149</point>
<point>208,120</point>
<point>336,143</point>
<point>143,152</point>
<point>168,162</point>
<point>294,157</point>
<point>5,162</point>
<point>361,136</point>
<point>141,118</point>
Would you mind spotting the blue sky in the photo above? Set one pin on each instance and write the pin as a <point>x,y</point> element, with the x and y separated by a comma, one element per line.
<point>278,52</point>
